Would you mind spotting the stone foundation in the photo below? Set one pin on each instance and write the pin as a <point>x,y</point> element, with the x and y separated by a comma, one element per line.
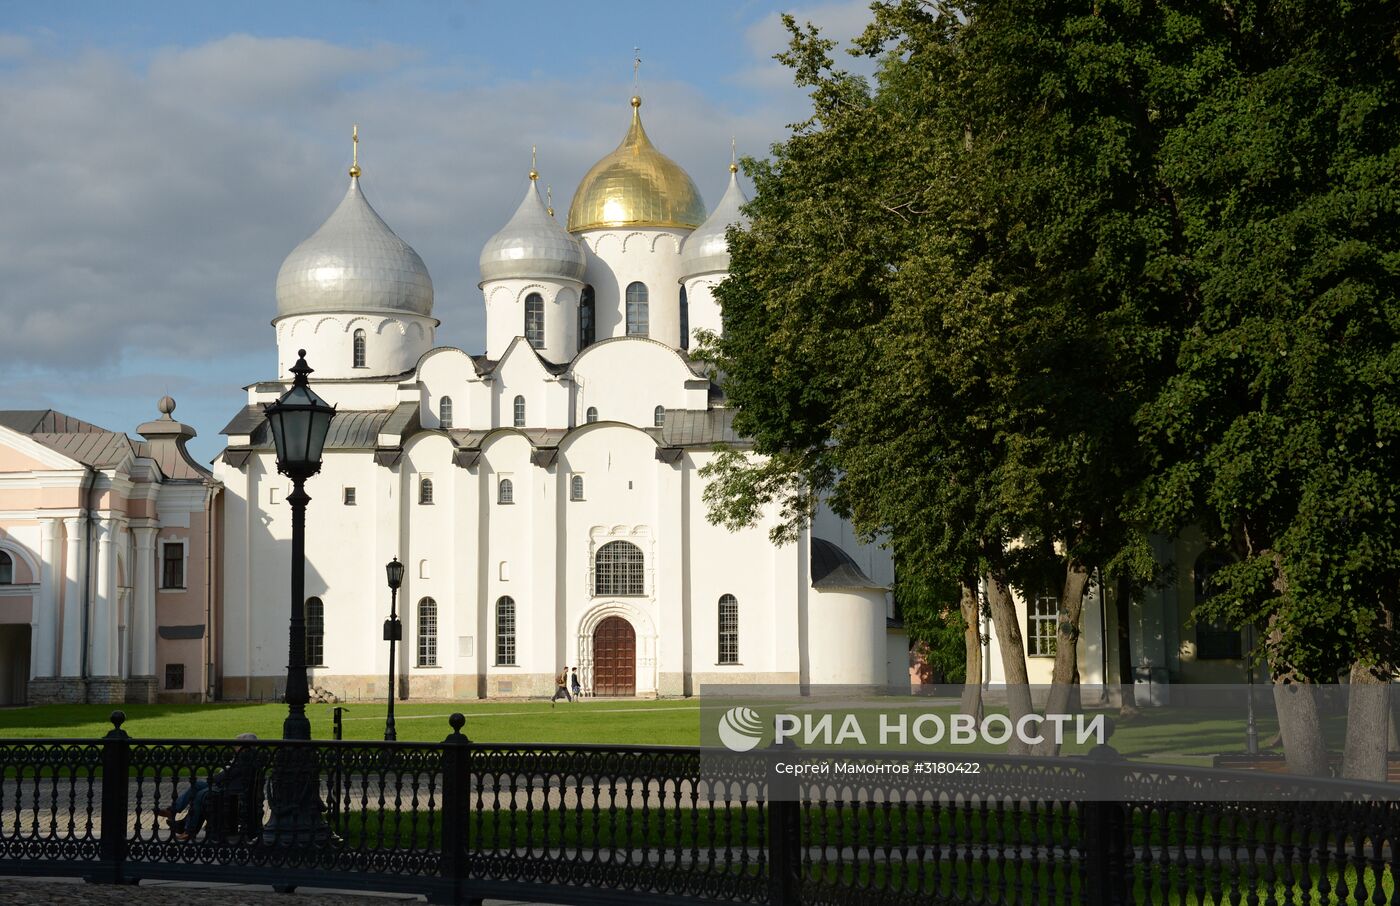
<point>141,690</point>
<point>106,690</point>
<point>57,690</point>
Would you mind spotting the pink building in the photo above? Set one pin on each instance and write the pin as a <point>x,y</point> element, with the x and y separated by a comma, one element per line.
<point>107,589</point>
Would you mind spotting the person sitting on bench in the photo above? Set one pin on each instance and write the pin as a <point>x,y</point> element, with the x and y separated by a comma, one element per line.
<point>237,779</point>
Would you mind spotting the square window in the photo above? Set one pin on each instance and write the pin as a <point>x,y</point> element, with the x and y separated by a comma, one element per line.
<point>1044,626</point>
<point>172,567</point>
<point>175,676</point>
<point>349,496</point>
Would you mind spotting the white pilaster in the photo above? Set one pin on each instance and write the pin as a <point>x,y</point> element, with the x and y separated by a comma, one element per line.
<point>74,581</point>
<point>104,605</point>
<point>43,659</point>
<point>143,625</point>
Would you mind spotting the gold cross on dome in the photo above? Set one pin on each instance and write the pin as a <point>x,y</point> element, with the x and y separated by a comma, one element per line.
<point>355,150</point>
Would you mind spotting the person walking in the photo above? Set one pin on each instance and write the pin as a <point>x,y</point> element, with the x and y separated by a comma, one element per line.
<point>561,687</point>
<point>573,681</point>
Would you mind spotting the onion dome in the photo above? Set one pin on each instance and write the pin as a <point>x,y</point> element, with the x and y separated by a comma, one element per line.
<point>354,262</point>
<point>707,249</point>
<point>636,185</point>
<point>532,244</point>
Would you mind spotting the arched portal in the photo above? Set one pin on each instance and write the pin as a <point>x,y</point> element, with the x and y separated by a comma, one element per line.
<point>614,658</point>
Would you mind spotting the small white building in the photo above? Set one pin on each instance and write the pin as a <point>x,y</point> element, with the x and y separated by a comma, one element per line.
<point>545,494</point>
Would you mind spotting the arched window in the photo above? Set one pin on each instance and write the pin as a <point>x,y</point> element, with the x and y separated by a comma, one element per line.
<point>505,491</point>
<point>637,310</point>
<point>427,633</point>
<point>592,415</point>
<point>585,319</point>
<point>7,569</point>
<point>425,491</point>
<point>685,320</point>
<point>728,629</point>
<point>445,412</point>
<point>1215,639</point>
<point>576,487</point>
<point>520,412</point>
<point>505,632</point>
<point>359,342</point>
<point>618,569</point>
<point>315,633</point>
<point>534,320</point>
<point>658,416</point>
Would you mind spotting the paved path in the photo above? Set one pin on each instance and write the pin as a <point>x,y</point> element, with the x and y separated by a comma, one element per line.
<point>44,892</point>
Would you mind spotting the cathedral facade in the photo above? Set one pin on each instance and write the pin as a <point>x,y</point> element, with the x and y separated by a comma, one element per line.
<point>545,494</point>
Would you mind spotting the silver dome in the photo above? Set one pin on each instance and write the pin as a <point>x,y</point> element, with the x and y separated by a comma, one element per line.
<point>354,262</point>
<point>705,249</point>
<point>532,244</point>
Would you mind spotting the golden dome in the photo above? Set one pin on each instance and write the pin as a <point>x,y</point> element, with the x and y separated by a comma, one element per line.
<point>636,185</point>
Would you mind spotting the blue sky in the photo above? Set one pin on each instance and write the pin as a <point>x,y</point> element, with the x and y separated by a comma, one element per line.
<point>162,158</point>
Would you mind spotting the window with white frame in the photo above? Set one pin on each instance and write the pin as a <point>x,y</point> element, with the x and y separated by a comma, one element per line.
<point>349,496</point>
<point>685,320</point>
<point>359,349</point>
<point>427,633</point>
<point>728,629</point>
<point>585,319</point>
<point>658,416</point>
<point>505,631</point>
<point>619,569</point>
<point>1043,628</point>
<point>592,415</point>
<point>534,320</point>
<point>315,616</point>
<point>505,491</point>
<point>172,564</point>
<point>576,487</point>
<point>445,412</point>
<point>520,412</point>
<point>425,491</point>
<point>7,569</point>
<point>638,322</point>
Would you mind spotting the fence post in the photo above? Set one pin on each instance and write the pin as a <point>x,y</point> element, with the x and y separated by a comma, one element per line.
<point>116,763</point>
<point>456,806</point>
<point>1106,831</point>
<point>784,828</point>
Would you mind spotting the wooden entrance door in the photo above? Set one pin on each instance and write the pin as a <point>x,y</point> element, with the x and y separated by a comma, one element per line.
<point>614,658</point>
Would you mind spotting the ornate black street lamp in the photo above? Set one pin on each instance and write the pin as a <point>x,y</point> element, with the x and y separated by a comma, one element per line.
<point>300,421</point>
<point>393,632</point>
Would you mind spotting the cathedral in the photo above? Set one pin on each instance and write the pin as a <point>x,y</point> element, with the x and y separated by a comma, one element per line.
<point>545,494</point>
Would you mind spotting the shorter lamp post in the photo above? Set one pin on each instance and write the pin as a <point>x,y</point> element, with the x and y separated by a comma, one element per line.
<point>300,421</point>
<point>393,632</point>
<point>1251,729</point>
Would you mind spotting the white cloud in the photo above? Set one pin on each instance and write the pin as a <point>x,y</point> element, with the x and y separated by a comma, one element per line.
<point>841,22</point>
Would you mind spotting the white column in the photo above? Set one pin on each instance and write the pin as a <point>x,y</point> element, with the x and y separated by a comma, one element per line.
<point>74,580</point>
<point>43,659</point>
<point>670,572</point>
<point>104,605</point>
<point>143,625</point>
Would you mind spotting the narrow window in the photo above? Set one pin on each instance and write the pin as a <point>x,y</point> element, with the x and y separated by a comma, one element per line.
<point>175,676</point>
<point>685,320</point>
<point>658,416</point>
<point>359,349</point>
<point>728,629</point>
<point>520,412</point>
<point>349,496</point>
<point>592,415</point>
<point>445,412</point>
<point>315,633</point>
<point>425,491</point>
<point>585,319</point>
<point>172,567</point>
<point>505,632</point>
<point>505,491</point>
<point>534,320</point>
<point>576,487</point>
<point>427,633</point>
<point>1215,640</point>
<point>1044,626</point>
<point>618,569</point>
<point>7,569</point>
<point>637,323</point>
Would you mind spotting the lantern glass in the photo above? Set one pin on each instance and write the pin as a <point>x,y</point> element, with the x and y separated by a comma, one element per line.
<point>394,570</point>
<point>300,421</point>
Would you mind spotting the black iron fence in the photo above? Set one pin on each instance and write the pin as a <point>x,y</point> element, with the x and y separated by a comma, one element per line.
<point>460,821</point>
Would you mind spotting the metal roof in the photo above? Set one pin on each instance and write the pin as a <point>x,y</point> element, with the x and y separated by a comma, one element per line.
<point>833,568</point>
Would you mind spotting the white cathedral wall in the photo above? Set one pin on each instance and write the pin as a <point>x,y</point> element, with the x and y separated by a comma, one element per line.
<point>505,315</point>
<point>846,637</point>
<point>617,258</point>
<point>704,311</point>
<point>393,343</point>
<point>626,381</point>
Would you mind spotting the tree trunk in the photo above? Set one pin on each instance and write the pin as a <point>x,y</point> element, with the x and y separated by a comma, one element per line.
<point>1300,724</point>
<point>1368,711</point>
<point>971,702</point>
<point>1122,608</point>
<point>1013,654</point>
<point>1066,646</point>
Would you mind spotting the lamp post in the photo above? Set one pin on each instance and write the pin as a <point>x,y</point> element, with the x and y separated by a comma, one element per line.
<point>1251,730</point>
<point>393,632</point>
<point>300,421</point>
